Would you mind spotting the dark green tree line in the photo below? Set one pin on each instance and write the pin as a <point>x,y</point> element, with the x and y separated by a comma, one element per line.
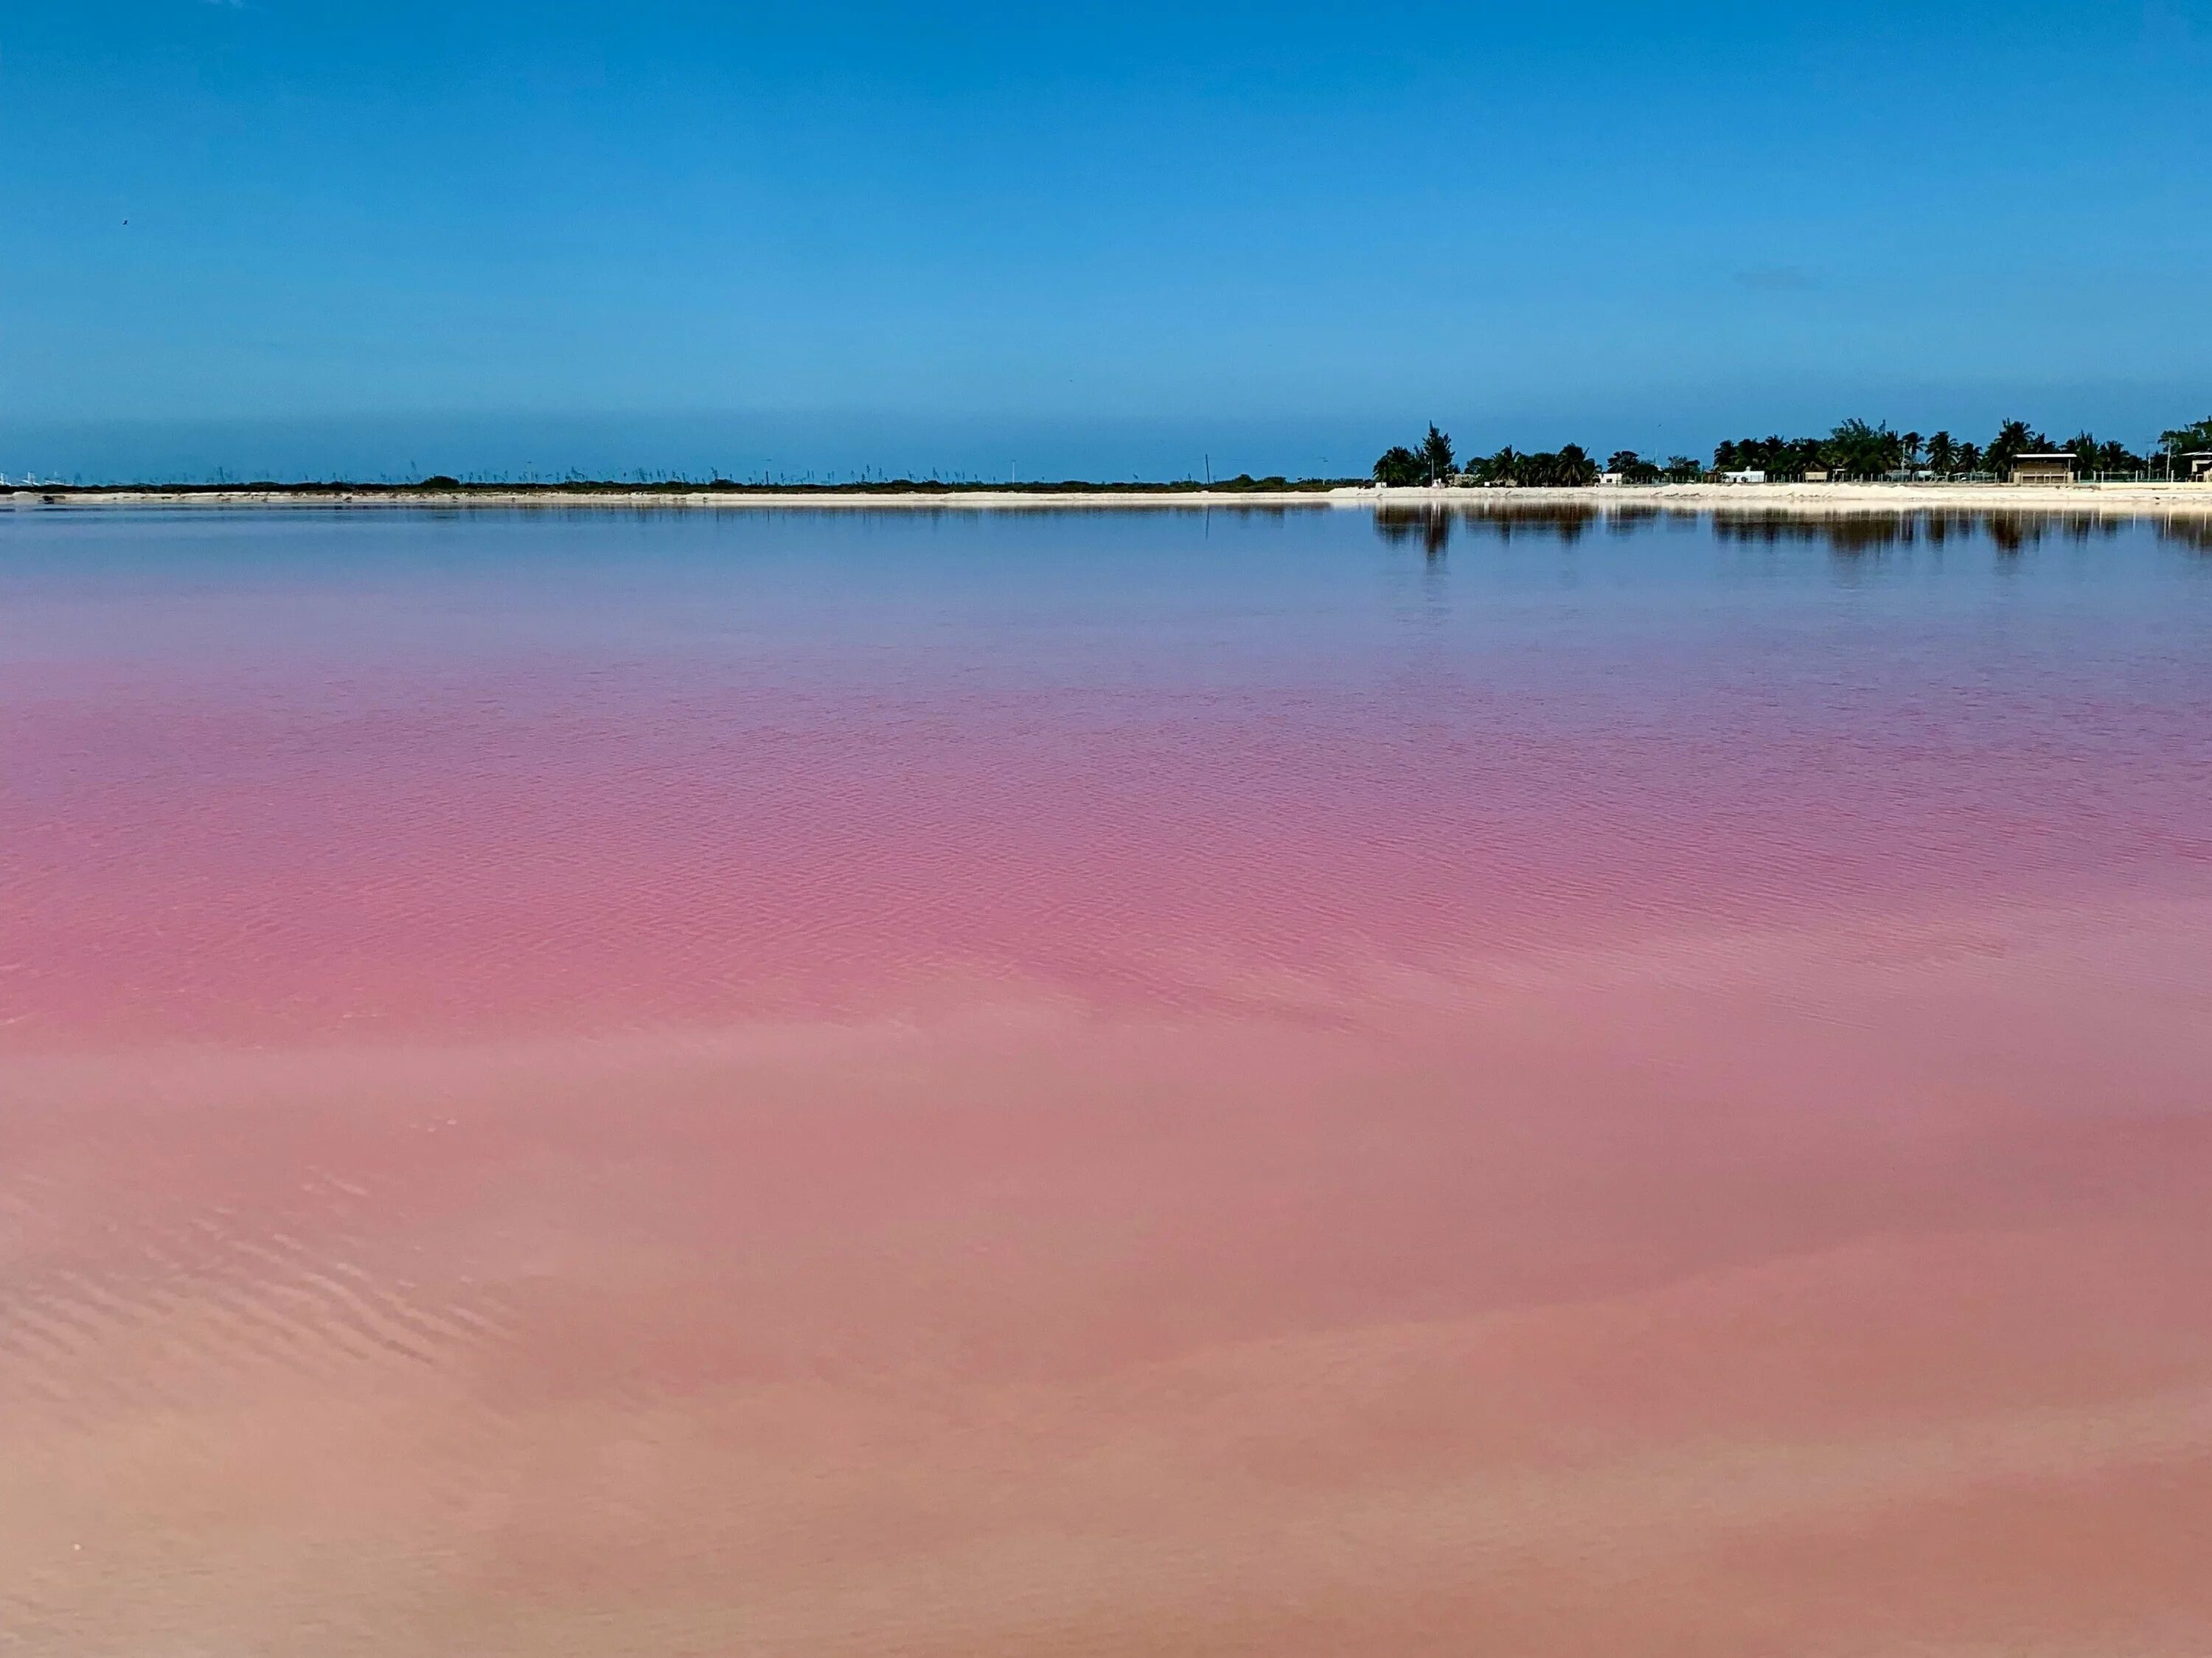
<point>1854,449</point>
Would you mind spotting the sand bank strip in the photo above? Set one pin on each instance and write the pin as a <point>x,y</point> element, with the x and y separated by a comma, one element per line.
<point>1798,499</point>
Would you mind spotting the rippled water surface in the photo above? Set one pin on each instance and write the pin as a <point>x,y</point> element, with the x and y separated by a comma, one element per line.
<point>1104,1082</point>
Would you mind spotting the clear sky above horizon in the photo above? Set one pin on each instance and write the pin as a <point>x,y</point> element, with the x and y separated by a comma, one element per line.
<point>276,236</point>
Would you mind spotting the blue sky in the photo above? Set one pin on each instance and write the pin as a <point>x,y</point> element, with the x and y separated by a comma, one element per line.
<point>1082,239</point>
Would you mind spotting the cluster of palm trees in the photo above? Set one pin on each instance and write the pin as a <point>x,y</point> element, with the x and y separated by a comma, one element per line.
<point>1858,449</point>
<point>1567,467</point>
<point>1854,449</point>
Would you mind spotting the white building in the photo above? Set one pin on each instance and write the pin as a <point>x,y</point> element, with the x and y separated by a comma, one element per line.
<point>2054,466</point>
<point>1751,477</point>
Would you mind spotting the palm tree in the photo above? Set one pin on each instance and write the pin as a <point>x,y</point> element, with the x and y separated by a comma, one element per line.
<point>1863,450</point>
<point>1398,467</point>
<point>1942,453</point>
<point>2117,457</point>
<point>1911,442</point>
<point>2015,438</point>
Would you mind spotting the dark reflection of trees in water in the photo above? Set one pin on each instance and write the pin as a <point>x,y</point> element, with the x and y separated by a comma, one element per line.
<point>1869,532</point>
<point>1847,534</point>
<point>1430,525</point>
<point>1433,526</point>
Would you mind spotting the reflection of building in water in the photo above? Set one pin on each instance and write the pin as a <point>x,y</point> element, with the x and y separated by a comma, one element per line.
<point>2056,468</point>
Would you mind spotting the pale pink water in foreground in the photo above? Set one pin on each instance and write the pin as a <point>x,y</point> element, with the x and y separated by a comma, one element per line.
<point>1102,1083</point>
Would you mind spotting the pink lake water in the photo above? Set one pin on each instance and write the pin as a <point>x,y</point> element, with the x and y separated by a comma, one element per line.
<point>1119,1082</point>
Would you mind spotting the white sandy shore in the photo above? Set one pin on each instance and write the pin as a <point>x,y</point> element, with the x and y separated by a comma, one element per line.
<point>1793,498</point>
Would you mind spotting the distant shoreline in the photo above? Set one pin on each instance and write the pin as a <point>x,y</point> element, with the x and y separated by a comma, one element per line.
<point>1798,499</point>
